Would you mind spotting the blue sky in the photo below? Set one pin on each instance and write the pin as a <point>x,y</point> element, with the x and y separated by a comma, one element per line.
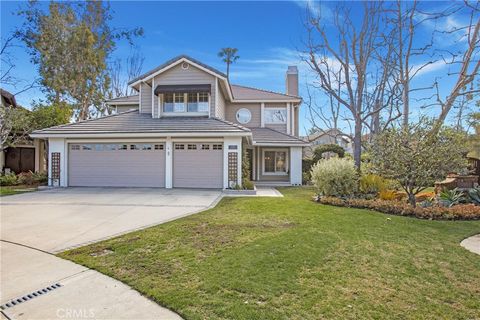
<point>267,35</point>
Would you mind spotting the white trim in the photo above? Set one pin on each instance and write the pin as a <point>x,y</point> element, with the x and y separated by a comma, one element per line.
<point>123,103</point>
<point>115,140</point>
<point>262,118</point>
<point>296,166</point>
<point>293,120</point>
<point>254,163</point>
<point>277,122</point>
<point>185,114</point>
<point>216,99</point>
<point>289,117</point>
<point>264,101</point>
<point>140,99</point>
<point>276,173</point>
<point>169,163</point>
<point>279,144</point>
<point>173,64</point>
<point>146,135</point>
<point>159,105</point>
<point>153,95</point>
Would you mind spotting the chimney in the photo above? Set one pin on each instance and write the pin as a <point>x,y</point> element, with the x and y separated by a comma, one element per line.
<point>292,80</point>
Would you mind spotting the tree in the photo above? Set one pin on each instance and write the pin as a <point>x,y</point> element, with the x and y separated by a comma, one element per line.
<point>320,150</point>
<point>415,158</point>
<point>15,124</point>
<point>45,116</point>
<point>229,56</point>
<point>71,44</point>
<point>344,63</point>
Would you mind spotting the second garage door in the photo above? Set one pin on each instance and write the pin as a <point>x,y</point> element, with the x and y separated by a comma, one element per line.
<point>117,165</point>
<point>198,165</point>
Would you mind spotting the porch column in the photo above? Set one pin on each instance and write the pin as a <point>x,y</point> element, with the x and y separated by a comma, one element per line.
<point>296,166</point>
<point>169,163</point>
<point>36,144</point>
<point>58,146</point>
<point>232,145</point>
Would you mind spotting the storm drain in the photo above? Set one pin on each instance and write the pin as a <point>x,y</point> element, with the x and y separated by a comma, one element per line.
<point>30,296</point>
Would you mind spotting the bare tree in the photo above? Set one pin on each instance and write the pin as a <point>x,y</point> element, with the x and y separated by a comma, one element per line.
<point>119,79</point>
<point>467,63</point>
<point>350,52</point>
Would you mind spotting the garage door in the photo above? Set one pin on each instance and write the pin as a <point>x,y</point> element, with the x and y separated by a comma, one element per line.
<point>198,165</point>
<point>116,165</point>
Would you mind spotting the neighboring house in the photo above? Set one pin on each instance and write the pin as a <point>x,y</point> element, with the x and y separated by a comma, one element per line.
<point>28,155</point>
<point>187,127</point>
<point>330,136</point>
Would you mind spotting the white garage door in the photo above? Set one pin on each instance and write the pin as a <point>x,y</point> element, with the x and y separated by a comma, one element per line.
<point>117,165</point>
<point>198,165</point>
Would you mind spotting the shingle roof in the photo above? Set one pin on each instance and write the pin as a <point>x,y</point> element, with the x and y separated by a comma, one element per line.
<point>135,122</point>
<point>163,65</point>
<point>134,99</point>
<point>248,93</point>
<point>267,135</point>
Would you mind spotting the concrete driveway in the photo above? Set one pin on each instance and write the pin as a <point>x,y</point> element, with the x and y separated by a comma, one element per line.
<point>34,225</point>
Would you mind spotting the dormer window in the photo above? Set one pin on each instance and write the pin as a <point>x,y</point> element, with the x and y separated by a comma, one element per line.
<point>194,102</point>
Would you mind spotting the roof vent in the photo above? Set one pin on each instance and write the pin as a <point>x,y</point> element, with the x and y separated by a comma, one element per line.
<point>185,65</point>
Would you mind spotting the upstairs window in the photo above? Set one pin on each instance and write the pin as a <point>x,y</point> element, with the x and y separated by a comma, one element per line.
<point>186,102</point>
<point>275,115</point>
<point>168,102</point>
<point>179,105</point>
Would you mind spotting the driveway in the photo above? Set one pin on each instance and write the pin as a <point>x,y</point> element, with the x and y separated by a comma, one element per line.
<point>34,225</point>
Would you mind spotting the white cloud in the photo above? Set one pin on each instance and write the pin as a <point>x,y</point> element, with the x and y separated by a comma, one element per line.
<point>315,8</point>
<point>422,69</point>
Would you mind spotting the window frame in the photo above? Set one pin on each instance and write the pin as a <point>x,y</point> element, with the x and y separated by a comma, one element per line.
<point>185,111</point>
<point>275,109</point>
<point>276,172</point>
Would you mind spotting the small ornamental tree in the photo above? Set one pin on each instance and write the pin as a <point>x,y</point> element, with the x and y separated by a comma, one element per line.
<point>335,177</point>
<point>415,158</point>
<point>320,150</point>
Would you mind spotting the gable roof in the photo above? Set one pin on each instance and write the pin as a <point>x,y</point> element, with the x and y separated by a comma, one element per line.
<point>249,93</point>
<point>329,132</point>
<point>134,99</point>
<point>172,61</point>
<point>267,136</point>
<point>133,122</point>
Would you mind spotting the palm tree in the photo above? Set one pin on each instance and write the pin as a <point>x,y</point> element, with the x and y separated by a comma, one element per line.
<point>229,56</point>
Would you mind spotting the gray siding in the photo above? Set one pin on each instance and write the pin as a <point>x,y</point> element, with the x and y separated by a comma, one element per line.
<point>192,75</point>
<point>197,168</point>
<point>220,109</point>
<point>145,98</point>
<point>255,109</point>
<point>274,126</point>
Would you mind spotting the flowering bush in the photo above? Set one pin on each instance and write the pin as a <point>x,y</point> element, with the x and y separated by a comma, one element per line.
<point>335,177</point>
<point>458,212</point>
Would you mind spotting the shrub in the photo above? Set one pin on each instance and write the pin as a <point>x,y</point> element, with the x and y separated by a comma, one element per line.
<point>372,184</point>
<point>474,195</point>
<point>306,168</point>
<point>387,194</point>
<point>425,196</point>
<point>458,212</point>
<point>26,178</point>
<point>335,177</point>
<point>320,150</point>
<point>247,184</point>
<point>451,197</point>
<point>40,177</point>
<point>8,179</point>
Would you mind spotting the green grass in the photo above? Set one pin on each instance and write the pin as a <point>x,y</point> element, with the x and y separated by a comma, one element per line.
<point>291,258</point>
<point>7,191</point>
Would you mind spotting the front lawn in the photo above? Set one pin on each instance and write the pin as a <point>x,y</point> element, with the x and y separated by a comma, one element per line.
<point>291,258</point>
<point>7,191</point>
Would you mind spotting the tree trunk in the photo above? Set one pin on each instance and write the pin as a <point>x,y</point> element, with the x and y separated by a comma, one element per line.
<point>228,69</point>
<point>357,143</point>
<point>411,199</point>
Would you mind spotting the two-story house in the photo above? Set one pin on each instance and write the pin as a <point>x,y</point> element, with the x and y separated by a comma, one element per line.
<point>187,127</point>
